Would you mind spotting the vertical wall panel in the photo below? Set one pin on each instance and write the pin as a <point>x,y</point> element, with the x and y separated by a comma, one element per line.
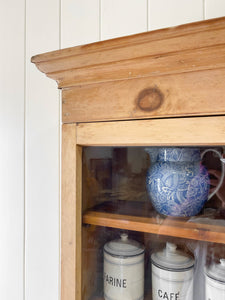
<point>214,8</point>
<point>80,22</point>
<point>120,18</point>
<point>83,21</point>
<point>173,12</point>
<point>12,149</point>
<point>42,157</point>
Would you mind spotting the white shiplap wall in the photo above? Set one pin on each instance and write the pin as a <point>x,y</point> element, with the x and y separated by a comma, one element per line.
<point>174,12</point>
<point>120,18</point>
<point>30,121</point>
<point>80,22</point>
<point>12,149</point>
<point>42,156</point>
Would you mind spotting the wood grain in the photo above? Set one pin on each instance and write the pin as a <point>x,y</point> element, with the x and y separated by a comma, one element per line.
<point>164,75</point>
<point>168,51</point>
<point>169,63</point>
<point>195,93</point>
<point>201,131</point>
<point>147,48</point>
<point>205,29</point>
<point>71,215</point>
<point>164,226</point>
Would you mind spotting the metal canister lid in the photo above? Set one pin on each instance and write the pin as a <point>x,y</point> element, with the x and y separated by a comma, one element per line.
<point>217,271</point>
<point>172,259</point>
<point>123,247</point>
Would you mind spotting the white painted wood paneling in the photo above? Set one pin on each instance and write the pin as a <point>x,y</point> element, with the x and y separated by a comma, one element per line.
<point>162,13</point>
<point>120,18</point>
<point>214,8</point>
<point>12,149</point>
<point>42,157</point>
<point>123,17</point>
<point>80,22</point>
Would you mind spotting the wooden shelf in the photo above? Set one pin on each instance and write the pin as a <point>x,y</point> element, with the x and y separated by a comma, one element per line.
<point>147,297</point>
<point>199,228</point>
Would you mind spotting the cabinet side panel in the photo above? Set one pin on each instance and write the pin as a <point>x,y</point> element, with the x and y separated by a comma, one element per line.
<point>70,215</point>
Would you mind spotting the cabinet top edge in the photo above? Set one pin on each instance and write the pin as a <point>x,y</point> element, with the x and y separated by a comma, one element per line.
<point>139,38</point>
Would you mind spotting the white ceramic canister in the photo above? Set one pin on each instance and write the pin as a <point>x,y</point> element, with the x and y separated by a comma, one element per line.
<point>123,269</point>
<point>215,281</point>
<point>172,274</point>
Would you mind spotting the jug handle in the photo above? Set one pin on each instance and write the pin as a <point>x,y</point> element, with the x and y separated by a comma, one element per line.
<point>222,160</point>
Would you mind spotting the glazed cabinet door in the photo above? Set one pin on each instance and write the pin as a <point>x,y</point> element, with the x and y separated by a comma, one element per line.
<point>116,243</point>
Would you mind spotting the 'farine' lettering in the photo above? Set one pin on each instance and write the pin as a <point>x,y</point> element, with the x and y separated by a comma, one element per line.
<point>122,283</point>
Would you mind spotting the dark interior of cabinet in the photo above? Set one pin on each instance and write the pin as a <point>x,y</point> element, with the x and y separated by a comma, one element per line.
<point>112,174</point>
<point>113,181</point>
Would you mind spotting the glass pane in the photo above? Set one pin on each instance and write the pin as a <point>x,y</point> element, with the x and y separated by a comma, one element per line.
<point>154,199</point>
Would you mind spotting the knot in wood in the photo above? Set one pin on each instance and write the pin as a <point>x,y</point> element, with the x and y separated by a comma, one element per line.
<point>150,99</point>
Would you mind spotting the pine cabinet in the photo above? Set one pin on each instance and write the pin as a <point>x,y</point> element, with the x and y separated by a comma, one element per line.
<point>154,89</point>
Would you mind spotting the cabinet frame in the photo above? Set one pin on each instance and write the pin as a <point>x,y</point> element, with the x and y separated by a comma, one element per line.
<point>204,131</point>
<point>162,84</point>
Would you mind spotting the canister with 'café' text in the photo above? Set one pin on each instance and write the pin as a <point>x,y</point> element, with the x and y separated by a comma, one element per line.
<point>172,274</point>
<point>215,281</point>
<point>123,269</point>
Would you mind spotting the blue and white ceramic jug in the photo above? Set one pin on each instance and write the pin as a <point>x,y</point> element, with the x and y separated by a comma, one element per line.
<point>177,183</point>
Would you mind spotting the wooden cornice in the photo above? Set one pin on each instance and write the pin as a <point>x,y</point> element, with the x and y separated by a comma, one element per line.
<point>171,72</point>
<point>186,48</point>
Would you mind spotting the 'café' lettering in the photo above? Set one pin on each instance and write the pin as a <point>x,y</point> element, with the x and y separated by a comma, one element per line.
<point>115,281</point>
<point>168,296</point>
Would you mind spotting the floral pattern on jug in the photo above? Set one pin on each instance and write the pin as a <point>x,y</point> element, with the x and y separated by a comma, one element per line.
<point>177,183</point>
